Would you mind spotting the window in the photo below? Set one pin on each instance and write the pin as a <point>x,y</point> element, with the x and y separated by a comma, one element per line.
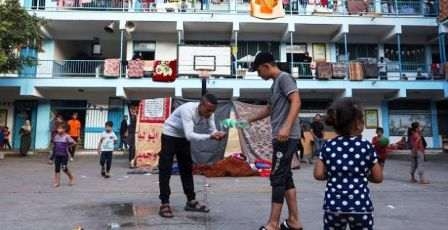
<point>356,51</point>
<point>403,112</point>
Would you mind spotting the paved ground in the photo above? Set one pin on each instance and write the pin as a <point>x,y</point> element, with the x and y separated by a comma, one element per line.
<point>28,201</point>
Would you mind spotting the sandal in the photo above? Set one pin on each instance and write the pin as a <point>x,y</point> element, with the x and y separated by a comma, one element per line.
<point>165,211</point>
<point>195,206</point>
<point>285,226</point>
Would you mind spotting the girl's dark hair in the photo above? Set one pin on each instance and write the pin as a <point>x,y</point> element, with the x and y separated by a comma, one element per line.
<point>343,114</point>
<point>414,126</point>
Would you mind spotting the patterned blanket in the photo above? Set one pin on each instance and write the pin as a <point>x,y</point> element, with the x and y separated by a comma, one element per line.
<point>256,141</point>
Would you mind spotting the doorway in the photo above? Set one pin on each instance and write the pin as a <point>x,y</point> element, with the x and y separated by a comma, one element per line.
<point>66,108</point>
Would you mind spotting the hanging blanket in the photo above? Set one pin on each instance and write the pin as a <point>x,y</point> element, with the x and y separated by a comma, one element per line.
<point>111,67</point>
<point>152,113</point>
<point>338,70</point>
<point>324,71</point>
<point>135,69</point>
<point>256,141</point>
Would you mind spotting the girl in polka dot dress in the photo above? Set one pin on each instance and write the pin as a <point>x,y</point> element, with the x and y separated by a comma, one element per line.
<point>347,162</point>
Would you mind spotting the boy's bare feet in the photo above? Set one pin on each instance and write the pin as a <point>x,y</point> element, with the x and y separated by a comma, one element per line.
<point>423,181</point>
<point>56,185</point>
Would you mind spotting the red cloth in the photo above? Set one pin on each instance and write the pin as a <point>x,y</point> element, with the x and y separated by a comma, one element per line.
<point>165,71</point>
<point>381,151</point>
<point>416,142</point>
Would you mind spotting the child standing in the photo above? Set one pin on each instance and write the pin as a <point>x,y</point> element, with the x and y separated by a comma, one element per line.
<point>380,150</point>
<point>61,144</point>
<point>6,134</point>
<point>347,163</point>
<point>106,148</point>
<point>417,153</point>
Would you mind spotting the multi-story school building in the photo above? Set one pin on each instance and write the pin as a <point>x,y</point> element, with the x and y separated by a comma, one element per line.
<point>98,55</point>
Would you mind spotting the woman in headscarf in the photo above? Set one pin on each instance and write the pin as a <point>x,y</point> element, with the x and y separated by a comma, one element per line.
<point>25,138</point>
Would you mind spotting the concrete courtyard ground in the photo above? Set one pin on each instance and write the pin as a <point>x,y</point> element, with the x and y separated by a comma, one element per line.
<point>28,200</point>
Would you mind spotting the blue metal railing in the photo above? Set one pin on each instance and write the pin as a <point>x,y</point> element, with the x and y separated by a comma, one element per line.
<point>240,70</point>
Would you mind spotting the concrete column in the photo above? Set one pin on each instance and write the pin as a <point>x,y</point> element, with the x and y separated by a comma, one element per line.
<point>442,47</point>
<point>436,143</point>
<point>385,117</point>
<point>333,55</point>
<point>399,53</point>
<point>42,139</point>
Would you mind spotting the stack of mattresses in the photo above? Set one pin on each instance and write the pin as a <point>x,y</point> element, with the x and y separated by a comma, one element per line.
<point>356,72</point>
<point>370,70</point>
<point>338,70</point>
<point>324,71</point>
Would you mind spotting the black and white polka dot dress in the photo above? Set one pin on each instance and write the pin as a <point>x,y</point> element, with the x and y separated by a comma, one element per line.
<point>348,161</point>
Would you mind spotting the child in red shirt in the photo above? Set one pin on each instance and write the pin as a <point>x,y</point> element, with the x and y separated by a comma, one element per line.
<point>381,151</point>
<point>6,134</point>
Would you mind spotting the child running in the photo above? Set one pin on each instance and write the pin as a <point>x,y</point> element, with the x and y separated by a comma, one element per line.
<point>106,148</point>
<point>417,153</point>
<point>347,163</point>
<point>380,150</point>
<point>61,144</point>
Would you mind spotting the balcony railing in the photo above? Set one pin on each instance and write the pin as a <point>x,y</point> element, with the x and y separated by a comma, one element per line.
<point>299,70</point>
<point>428,8</point>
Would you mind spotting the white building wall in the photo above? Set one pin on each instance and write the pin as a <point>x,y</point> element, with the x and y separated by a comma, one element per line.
<point>166,50</point>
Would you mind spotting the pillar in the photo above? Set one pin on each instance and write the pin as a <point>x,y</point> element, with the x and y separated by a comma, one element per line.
<point>436,143</point>
<point>385,117</point>
<point>399,53</point>
<point>442,47</point>
<point>43,125</point>
<point>346,55</point>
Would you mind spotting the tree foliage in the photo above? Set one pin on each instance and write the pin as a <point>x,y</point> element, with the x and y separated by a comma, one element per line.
<point>17,29</point>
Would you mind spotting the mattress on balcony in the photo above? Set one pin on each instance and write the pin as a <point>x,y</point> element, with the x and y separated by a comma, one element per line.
<point>357,6</point>
<point>111,67</point>
<point>135,68</point>
<point>338,70</point>
<point>324,71</point>
<point>370,70</point>
<point>356,71</point>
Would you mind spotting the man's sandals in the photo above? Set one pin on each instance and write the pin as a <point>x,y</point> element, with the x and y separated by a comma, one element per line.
<point>195,206</point>
<point>191,206</point>
<point>165,211</point>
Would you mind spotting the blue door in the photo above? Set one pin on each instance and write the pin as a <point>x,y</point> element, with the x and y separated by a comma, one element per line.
<point>115,114</point>
<point>24,110</point>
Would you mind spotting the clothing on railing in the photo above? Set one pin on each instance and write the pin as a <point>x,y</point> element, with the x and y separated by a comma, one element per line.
<point>112,67</point>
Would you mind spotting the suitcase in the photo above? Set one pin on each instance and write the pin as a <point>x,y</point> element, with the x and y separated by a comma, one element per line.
<point>135,69</point>
<point>324,71</point>
<point>165,71</point>
<point>371,70</point>
<point>356,71</point>
<point>338,70</point>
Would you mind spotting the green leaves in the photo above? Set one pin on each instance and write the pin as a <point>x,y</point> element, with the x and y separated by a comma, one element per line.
<point>17,29</point>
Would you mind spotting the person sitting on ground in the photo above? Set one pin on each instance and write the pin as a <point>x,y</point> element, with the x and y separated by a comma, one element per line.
<point>347,162</point>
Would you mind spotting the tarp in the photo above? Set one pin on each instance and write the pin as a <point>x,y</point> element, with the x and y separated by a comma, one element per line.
<point>208,151</point>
